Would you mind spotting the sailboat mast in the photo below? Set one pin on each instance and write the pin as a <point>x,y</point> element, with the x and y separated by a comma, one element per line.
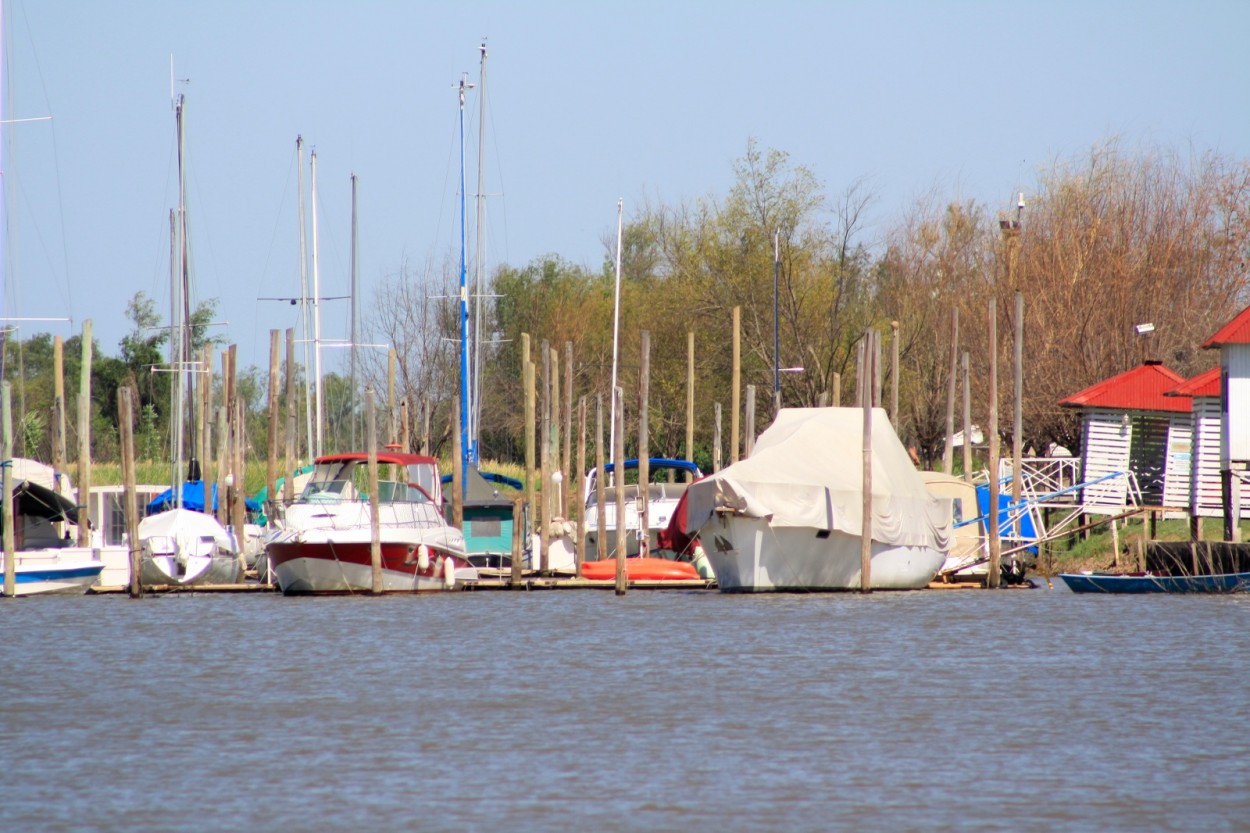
<point>475,426</point>
<point>466,403</point>
<point>355,312</point>
<point>175,451</point>
<point>303,295</point>
<point>316,309</point>
<point>616,324</point>
<point>180,292</point>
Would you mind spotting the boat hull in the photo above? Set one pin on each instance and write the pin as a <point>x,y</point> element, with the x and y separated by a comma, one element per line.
<point>189,571</point>
<point>346,567</point>
<point>48,576</point>
<point>1144,583</point>
<point>751,556</point>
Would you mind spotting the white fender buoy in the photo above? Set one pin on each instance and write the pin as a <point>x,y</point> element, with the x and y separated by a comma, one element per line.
<point>423,558</point>
<point>449,573</point>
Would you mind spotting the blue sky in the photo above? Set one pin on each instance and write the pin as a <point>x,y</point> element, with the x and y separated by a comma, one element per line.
<point>587,102</point>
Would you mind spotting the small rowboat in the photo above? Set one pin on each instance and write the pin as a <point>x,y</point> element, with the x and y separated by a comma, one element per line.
<point>1095,582</point>
<point>640,569</point>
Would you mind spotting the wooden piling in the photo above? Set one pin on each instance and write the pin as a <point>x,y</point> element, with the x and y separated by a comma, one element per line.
<point>996,544</point>
<point>84,430</point>
<point>1017,410</point>
<point>556,471</point>
<point>689,401</point>
<point>894,374</point>
<point>618,456</point>
<point>835,391</point>
<point>527,379</point>
<point>288,465</point>
<point>205,439</point>
<point>866,371</point>
<point>125,409</point>
<point>6,483</point>
<point>601,499</point>
<point>544,458</point>
<point>967,413</point>
<point>392,417</point>
<point>223,444</point>
<point>735,403</point>
<point>716,439</point>
<point>580,550</point>
<point>644,446</point>
<point>518,543</point>
<point>58,407</point>
<point>570,476</point>
<point>271,467</point>
<point>375,525</point>
<point>948,449</point>
<point>748,439</point>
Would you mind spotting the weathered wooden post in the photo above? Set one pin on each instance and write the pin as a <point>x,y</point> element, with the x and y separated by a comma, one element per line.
<point>736,399</point>
<point>84,431</point>
<point>288,465</point>
<point>375,525</point>
<point>457,468</point>
<point>580,552</point>
<point>866,371</point>
<point>570,476</point>
<point>716,439</point>
<point>1017,421</point>
<point>223,445</point>
<point>748,440</point>
<point>527,372</point>
<point>601,491</point>
<point>835,391</point>
<point>544,459</point>
<point>58,407</point>
<point>205,439</point>
<point>894,374</point>
<point>271,467</point>
<point>996,544</point>
<point>6,483</point>
<point>948,450</point>
<point>555,471</point>
<point>967,447</point>
<point>392,432</point>
<point>644,447</point>
<point>125,408</point>
<point>689,401</point>
<point>518,542</point>
<point>618,457</point>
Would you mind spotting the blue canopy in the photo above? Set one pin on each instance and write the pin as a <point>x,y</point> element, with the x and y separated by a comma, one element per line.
<point>193,499</point>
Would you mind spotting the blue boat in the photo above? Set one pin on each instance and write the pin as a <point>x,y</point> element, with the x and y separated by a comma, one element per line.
<point>1095,582</point>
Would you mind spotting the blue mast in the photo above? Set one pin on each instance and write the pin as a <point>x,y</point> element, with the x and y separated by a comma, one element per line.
<point>467,455</point>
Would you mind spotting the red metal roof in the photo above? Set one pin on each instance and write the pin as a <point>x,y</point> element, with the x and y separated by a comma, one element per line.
<point>1204,384</point>
<point>1139,389</point>
<point>1236,331</point>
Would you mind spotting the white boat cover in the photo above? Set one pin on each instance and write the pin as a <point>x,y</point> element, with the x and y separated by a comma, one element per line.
<point>185,532</point>
<point>806,470</point>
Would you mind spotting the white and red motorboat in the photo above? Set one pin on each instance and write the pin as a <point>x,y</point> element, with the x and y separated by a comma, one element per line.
<point>324,543</point>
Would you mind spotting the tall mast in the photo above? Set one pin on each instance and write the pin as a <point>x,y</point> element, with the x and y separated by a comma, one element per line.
<point>616,323</point>
<point>475,425</point>
<point>316,309</point>
<point>466,403</point>
<point>180,293</point>
<point>175,455</point>
<point>303,296</point>
<point>355,311</point>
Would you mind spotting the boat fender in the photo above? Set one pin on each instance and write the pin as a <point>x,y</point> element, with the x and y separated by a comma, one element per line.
<point>423,558</point>
<point>449,573</point>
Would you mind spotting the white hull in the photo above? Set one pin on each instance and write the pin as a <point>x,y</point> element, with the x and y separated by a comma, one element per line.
<point>66,571</point>
<point>319,575</point>
<point>189,570</point>
<point>750,556</point>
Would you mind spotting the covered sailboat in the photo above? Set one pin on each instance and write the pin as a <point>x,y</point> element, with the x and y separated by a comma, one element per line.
<point>789,517</point>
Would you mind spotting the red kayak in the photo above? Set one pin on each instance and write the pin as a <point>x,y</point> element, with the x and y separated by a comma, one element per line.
<point>640,569</point>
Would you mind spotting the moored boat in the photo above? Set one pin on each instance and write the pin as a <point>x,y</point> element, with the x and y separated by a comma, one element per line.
<point>645,568</point>
<point>185,548</point>
<point>324,546</point>
<point>44,562</point>
<point>662,496</point>
<point>789,517</point>
<point>1151,582</point>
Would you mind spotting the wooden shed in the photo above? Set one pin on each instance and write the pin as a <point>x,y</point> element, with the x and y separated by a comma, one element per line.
<point>1203,391</point>
<point>1233,342</point>
<point>1129,424</point>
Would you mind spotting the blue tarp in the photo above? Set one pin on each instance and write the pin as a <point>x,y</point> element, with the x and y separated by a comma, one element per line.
<point>193,499</point>
<point>1005,522</point>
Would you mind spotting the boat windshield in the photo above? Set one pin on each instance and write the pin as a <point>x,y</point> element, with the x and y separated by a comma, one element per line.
<point>349,481</point>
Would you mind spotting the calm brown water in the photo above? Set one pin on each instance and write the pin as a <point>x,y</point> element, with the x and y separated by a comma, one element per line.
<point>1022,711</point>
